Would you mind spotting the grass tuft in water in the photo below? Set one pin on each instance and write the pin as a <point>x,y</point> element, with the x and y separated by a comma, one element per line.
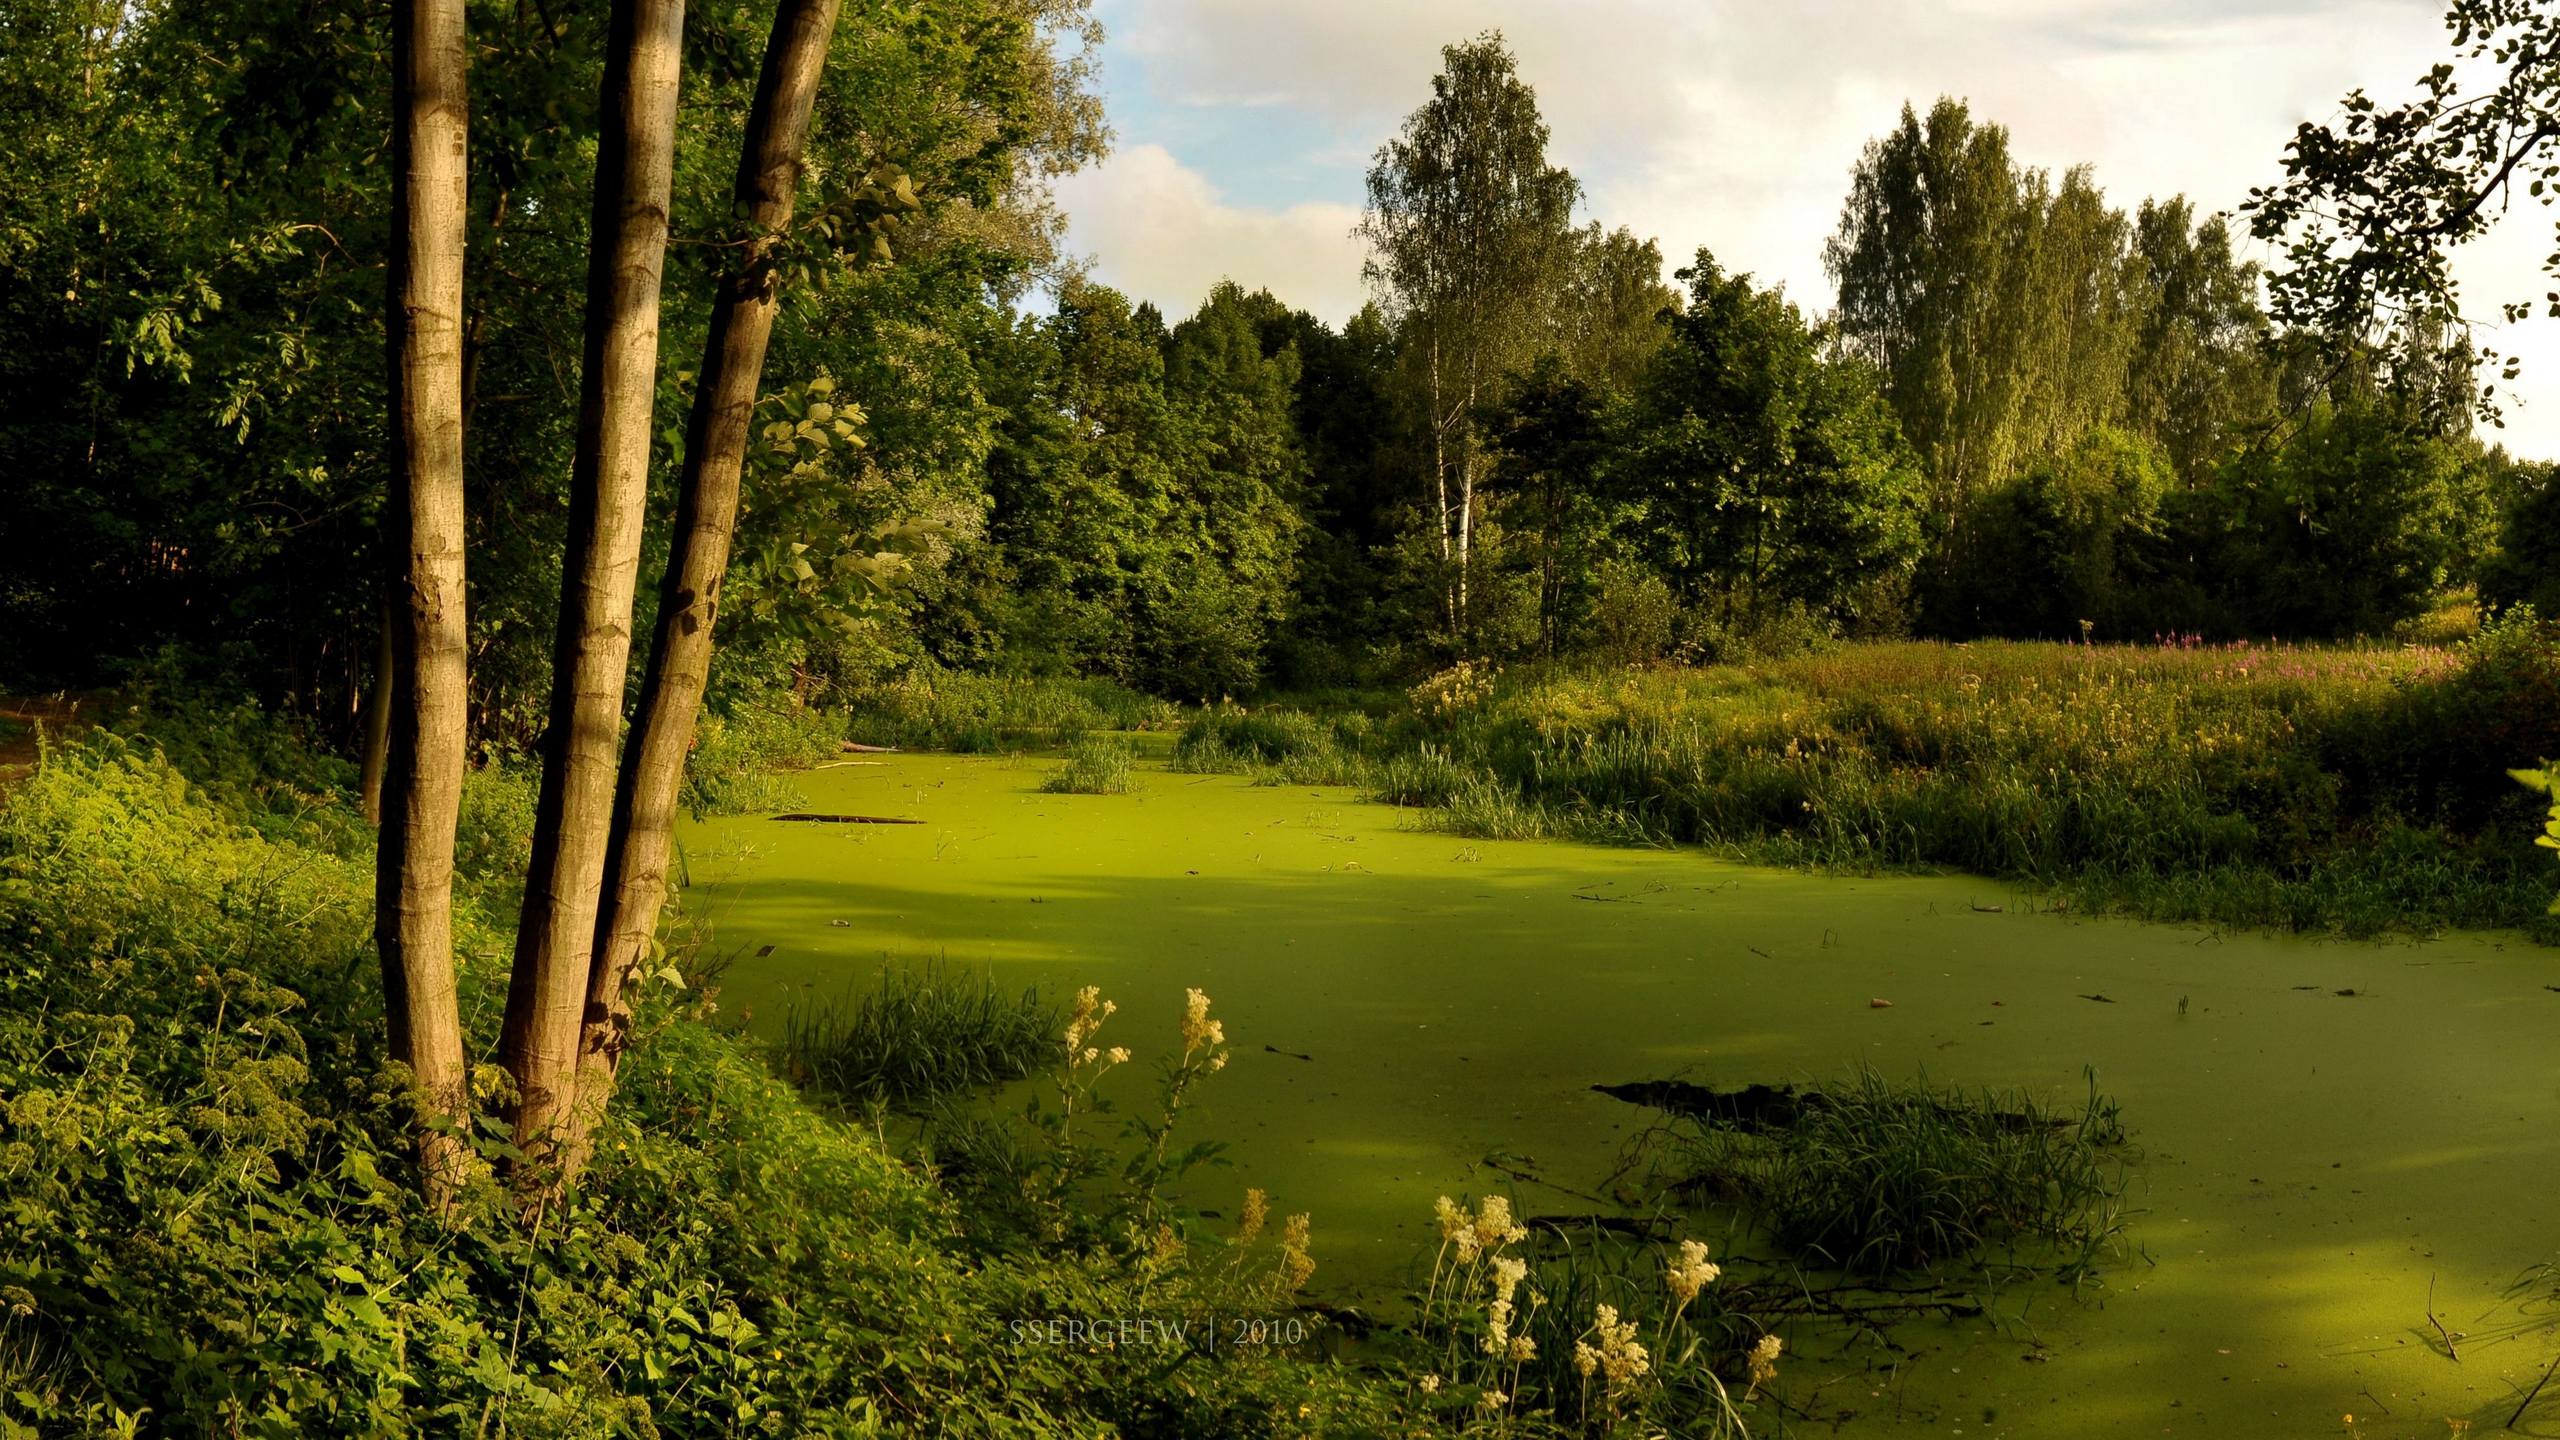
<point>922,1033</point>
<point>1876,1177</point>
<point>1096,765</point>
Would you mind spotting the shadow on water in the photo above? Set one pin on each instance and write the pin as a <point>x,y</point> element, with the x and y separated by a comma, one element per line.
<point>2311,1161</point>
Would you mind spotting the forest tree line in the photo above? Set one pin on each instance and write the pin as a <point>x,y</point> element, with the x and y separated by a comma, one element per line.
<point>2025,411</point>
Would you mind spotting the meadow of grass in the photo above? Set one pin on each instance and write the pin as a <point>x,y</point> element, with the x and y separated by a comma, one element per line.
<point>2355,789</point>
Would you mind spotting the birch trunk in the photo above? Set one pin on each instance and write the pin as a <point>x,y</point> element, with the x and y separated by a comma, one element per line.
<point>609,491</point>
<point>429,692</point>
<point>698,554</point>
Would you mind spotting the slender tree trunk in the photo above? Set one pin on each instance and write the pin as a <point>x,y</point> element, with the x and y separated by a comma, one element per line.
<point>608,497</point>
<point>377,716</point>
<point>429,700</point>
<point>1466,527</point>
<point>698,555</point>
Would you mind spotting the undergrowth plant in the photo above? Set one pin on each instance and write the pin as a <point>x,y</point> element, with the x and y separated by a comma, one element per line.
<point>741,759</point>
<point>1597,1340</point>
<point>2342,788</point>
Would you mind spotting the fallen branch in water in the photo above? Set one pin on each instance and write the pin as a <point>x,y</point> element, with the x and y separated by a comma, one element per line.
<point>2449,1350</point>
<point>847,819</point>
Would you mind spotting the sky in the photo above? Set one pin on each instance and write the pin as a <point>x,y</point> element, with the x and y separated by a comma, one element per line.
<point>1244,128</point>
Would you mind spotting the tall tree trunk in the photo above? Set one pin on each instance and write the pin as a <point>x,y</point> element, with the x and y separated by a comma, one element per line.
<point>698,555</point>
<point>422,800</point>
<point>377,717</point>
<point>608,497</point>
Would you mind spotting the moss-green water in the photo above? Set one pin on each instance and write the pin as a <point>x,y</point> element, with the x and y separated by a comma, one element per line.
<point>2310,1160</point>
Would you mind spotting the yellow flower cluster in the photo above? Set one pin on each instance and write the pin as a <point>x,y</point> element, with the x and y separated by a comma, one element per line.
<point>1257,1211</point>
<point>1503,1283</point>
<point>1616,1354</point>
<point>1199,1031</point>
<point>1692,1273</point>
<point>1764,1360</point>
<point>1086,1017</point>
<point>1480,1231</point>
<point>1297,1260</point>
<point>1462,686</point>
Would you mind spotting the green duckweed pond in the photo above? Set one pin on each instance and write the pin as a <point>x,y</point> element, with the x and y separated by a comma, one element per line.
<point>1414,1014</point>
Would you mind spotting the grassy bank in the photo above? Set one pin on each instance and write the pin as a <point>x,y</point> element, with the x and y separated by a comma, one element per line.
<point>2347,789</point>
<point>213,1229</point>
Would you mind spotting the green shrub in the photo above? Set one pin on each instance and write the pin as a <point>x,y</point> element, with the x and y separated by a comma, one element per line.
<point>1288,747</point>
<point>495,837</point>
<point>920,1034</point>
<point>1095,765</point>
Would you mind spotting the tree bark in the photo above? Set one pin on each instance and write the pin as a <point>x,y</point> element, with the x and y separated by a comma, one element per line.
<point>429,699</point>
<point>698,555</point>
<point>377,718</point>
<point>608,498</point>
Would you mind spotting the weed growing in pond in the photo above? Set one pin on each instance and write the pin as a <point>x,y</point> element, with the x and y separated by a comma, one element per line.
<point>1875,1177</point>
<point>1096,765</point>
<point>921,1033</point>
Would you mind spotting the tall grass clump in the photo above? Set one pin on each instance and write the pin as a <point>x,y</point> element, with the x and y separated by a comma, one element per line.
<point>1095,765</point>
<point>931,708</point>
<point>1874,1177</point>
<point>921,1033</point>
<point>1276,747</point>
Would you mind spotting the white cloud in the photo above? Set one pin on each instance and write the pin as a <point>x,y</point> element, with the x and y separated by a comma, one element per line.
<point>1159,230</point>
<point>1734,125</point>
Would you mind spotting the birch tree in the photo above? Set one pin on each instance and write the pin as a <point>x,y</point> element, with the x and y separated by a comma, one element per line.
<point>1468,225</point>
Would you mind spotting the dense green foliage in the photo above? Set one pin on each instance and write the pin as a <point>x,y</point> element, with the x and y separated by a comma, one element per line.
<point>2111,439</point>
<point>214,1228</point>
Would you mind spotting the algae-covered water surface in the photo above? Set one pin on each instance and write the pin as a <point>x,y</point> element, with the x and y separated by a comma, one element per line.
<point>2334,1140</point>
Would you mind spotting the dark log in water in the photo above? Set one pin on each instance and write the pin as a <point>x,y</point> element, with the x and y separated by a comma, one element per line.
<point>847,819</point>
<point>1763,1109</point>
